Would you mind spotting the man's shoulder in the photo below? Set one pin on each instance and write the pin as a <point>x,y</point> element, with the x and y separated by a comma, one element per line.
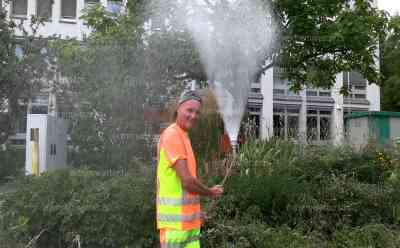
<point>170,131</point>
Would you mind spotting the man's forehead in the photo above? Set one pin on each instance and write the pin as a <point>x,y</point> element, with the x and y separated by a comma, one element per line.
<point>190,104</point>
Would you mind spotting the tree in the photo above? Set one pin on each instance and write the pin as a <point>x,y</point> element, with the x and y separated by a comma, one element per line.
<point>117,74</point>
<point>391,66</point>
<point>323,38</point>
<point>25,69</point>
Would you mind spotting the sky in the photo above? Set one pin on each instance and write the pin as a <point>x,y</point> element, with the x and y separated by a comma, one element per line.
<point>392,6</point>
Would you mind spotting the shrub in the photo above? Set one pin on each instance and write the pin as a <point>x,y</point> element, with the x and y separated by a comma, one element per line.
<point>373,235</point>
<point>314,192</point>
<point>62,207</point>
<point>12,163</point>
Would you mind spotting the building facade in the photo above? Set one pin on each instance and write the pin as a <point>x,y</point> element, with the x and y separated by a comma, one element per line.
<point>62,17</point>
<point>312,114</point>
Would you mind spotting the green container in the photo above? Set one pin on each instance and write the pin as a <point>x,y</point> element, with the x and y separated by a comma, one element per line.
<point>381,127</point>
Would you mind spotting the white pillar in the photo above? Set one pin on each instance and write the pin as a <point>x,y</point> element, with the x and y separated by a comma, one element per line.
<point>373,90</point>
<point>193,85</point>
<point>337,124</point>
<point>374,97</point>
<point>56,11</point>
<point>31,8</point>
<point>303,117</point>
<point>267,110</point>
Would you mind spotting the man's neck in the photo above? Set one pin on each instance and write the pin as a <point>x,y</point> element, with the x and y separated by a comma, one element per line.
<point>180,126</point>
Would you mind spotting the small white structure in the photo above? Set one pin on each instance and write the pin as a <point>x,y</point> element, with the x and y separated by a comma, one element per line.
<point>46,143</point>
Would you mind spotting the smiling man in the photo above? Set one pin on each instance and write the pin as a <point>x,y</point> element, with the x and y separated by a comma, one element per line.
<point>179,215</point>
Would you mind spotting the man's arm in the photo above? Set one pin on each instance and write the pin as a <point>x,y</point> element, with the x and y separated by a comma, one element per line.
<point>192,184</point>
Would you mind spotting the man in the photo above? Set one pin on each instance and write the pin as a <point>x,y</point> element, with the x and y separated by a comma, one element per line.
<point>179,215</point>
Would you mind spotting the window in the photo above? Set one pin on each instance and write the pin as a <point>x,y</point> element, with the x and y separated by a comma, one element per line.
<point>252,126</point>
<point>286,122</point>
<point>89,3</point>
<point>292,93</point>
<point>17,142</point>
<point>360,87</point>
<point>44,9</point>
<point>324,123</point>
<point>114,6</point>
<point>360,96</point>
<point>68,9</point>
<point>255,90</point>
<point>325,93</point>
<point>21,121</point>
<point>312,127</point>
<point>279,125</point>
<point>311,93</point>
<point>318,124</point>
<point>292,126</point>
<point>19,7</point>
<point>356,85</point>
<point>318,92</point>
<point>279,91</point>
<point>39,109</point>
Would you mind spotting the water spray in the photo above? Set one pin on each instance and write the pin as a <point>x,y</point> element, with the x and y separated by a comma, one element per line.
<point>231,37</point>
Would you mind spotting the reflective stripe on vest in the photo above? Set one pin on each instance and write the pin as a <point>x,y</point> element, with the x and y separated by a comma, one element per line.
<point>174,239</point>
<point>180,245</point>
<point>178,217</point>
<point>178,202</point>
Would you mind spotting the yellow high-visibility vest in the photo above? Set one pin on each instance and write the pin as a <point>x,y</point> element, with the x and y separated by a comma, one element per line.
<point>176,209</point>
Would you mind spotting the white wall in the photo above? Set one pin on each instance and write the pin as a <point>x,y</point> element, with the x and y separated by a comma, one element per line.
<point>358,132</point>
<point>66,28</point>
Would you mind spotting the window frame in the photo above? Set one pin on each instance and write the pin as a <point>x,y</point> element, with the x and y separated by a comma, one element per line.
<point>284,113</point>
<point>65,17</point>
<point>45,18</point>
<point>18,15</point>
<point>319,116</point>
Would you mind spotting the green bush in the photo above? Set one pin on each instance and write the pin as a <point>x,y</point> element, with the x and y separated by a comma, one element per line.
<point>12,163</point>
<point>280,194</point>
<point>374,235</point>
<point>62,207</point>
<point>313,192</point>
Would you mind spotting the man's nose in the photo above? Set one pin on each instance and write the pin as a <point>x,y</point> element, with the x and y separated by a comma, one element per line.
<point>193,115</point>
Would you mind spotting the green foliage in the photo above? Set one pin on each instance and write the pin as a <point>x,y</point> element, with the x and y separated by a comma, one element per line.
<point>205,137</point>
<point>318,196</point>
<point>321,39</point>
<point>12,164</point>
<point>374,235</point>
<point>279,195</point>
<point>98,209</point>
<point>390,57</point>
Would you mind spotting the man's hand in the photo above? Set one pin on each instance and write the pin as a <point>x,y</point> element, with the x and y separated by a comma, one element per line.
<point>217,191</point>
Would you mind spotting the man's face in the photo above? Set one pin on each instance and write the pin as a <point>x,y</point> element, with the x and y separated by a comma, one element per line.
<point>188,114</point>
